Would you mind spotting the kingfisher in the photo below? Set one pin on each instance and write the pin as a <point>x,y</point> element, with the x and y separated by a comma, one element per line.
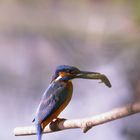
<point>59,93</point>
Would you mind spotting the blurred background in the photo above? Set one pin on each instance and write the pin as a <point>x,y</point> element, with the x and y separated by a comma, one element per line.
<point>95,35</point>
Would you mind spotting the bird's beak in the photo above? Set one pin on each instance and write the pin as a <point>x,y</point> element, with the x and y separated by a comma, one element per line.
<point>94,75</point>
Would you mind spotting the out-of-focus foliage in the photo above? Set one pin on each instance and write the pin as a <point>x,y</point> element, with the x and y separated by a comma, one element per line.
<point>135,5</point>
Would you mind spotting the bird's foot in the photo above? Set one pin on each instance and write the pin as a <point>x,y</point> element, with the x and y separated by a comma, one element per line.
<point>57,120</point>
<point>55,124</point>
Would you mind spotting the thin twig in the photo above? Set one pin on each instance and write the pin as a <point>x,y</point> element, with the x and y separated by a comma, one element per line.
<point>85,124</point>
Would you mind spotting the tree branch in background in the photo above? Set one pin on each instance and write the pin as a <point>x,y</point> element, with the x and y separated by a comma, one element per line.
<point>85,124</point>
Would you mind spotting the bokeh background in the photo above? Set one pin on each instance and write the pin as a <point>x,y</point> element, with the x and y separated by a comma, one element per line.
<point>95,35</point>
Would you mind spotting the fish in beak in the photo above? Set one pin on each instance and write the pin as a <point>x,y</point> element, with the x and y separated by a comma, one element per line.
<point>94,75</point>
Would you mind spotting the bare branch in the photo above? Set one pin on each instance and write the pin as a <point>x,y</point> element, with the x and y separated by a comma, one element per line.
<point>85,124</point>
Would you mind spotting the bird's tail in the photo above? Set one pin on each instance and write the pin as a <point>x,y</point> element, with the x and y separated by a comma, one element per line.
<point>39,131</point>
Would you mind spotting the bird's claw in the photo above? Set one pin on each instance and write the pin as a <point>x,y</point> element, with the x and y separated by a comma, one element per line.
<point>54,125</point>
<point>57,120</point>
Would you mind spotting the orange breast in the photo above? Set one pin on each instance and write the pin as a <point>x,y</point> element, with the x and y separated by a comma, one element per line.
<point>61,108</point>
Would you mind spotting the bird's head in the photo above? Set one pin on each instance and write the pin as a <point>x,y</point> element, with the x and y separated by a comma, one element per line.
<point>66,73</point>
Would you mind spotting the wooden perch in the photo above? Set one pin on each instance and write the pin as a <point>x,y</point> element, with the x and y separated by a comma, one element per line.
<point>85,124</point>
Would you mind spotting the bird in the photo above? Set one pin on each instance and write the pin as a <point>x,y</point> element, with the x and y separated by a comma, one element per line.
<point>59,93</point>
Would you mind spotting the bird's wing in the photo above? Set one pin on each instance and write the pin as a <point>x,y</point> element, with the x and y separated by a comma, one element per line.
<point>51,100</point>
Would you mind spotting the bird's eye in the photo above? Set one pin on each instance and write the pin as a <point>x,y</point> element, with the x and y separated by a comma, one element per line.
<point>68,71</point>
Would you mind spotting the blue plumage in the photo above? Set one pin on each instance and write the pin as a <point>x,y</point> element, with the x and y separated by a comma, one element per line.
<point>55,95</point>
<point>52,99</point>
<point>39,131</point>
